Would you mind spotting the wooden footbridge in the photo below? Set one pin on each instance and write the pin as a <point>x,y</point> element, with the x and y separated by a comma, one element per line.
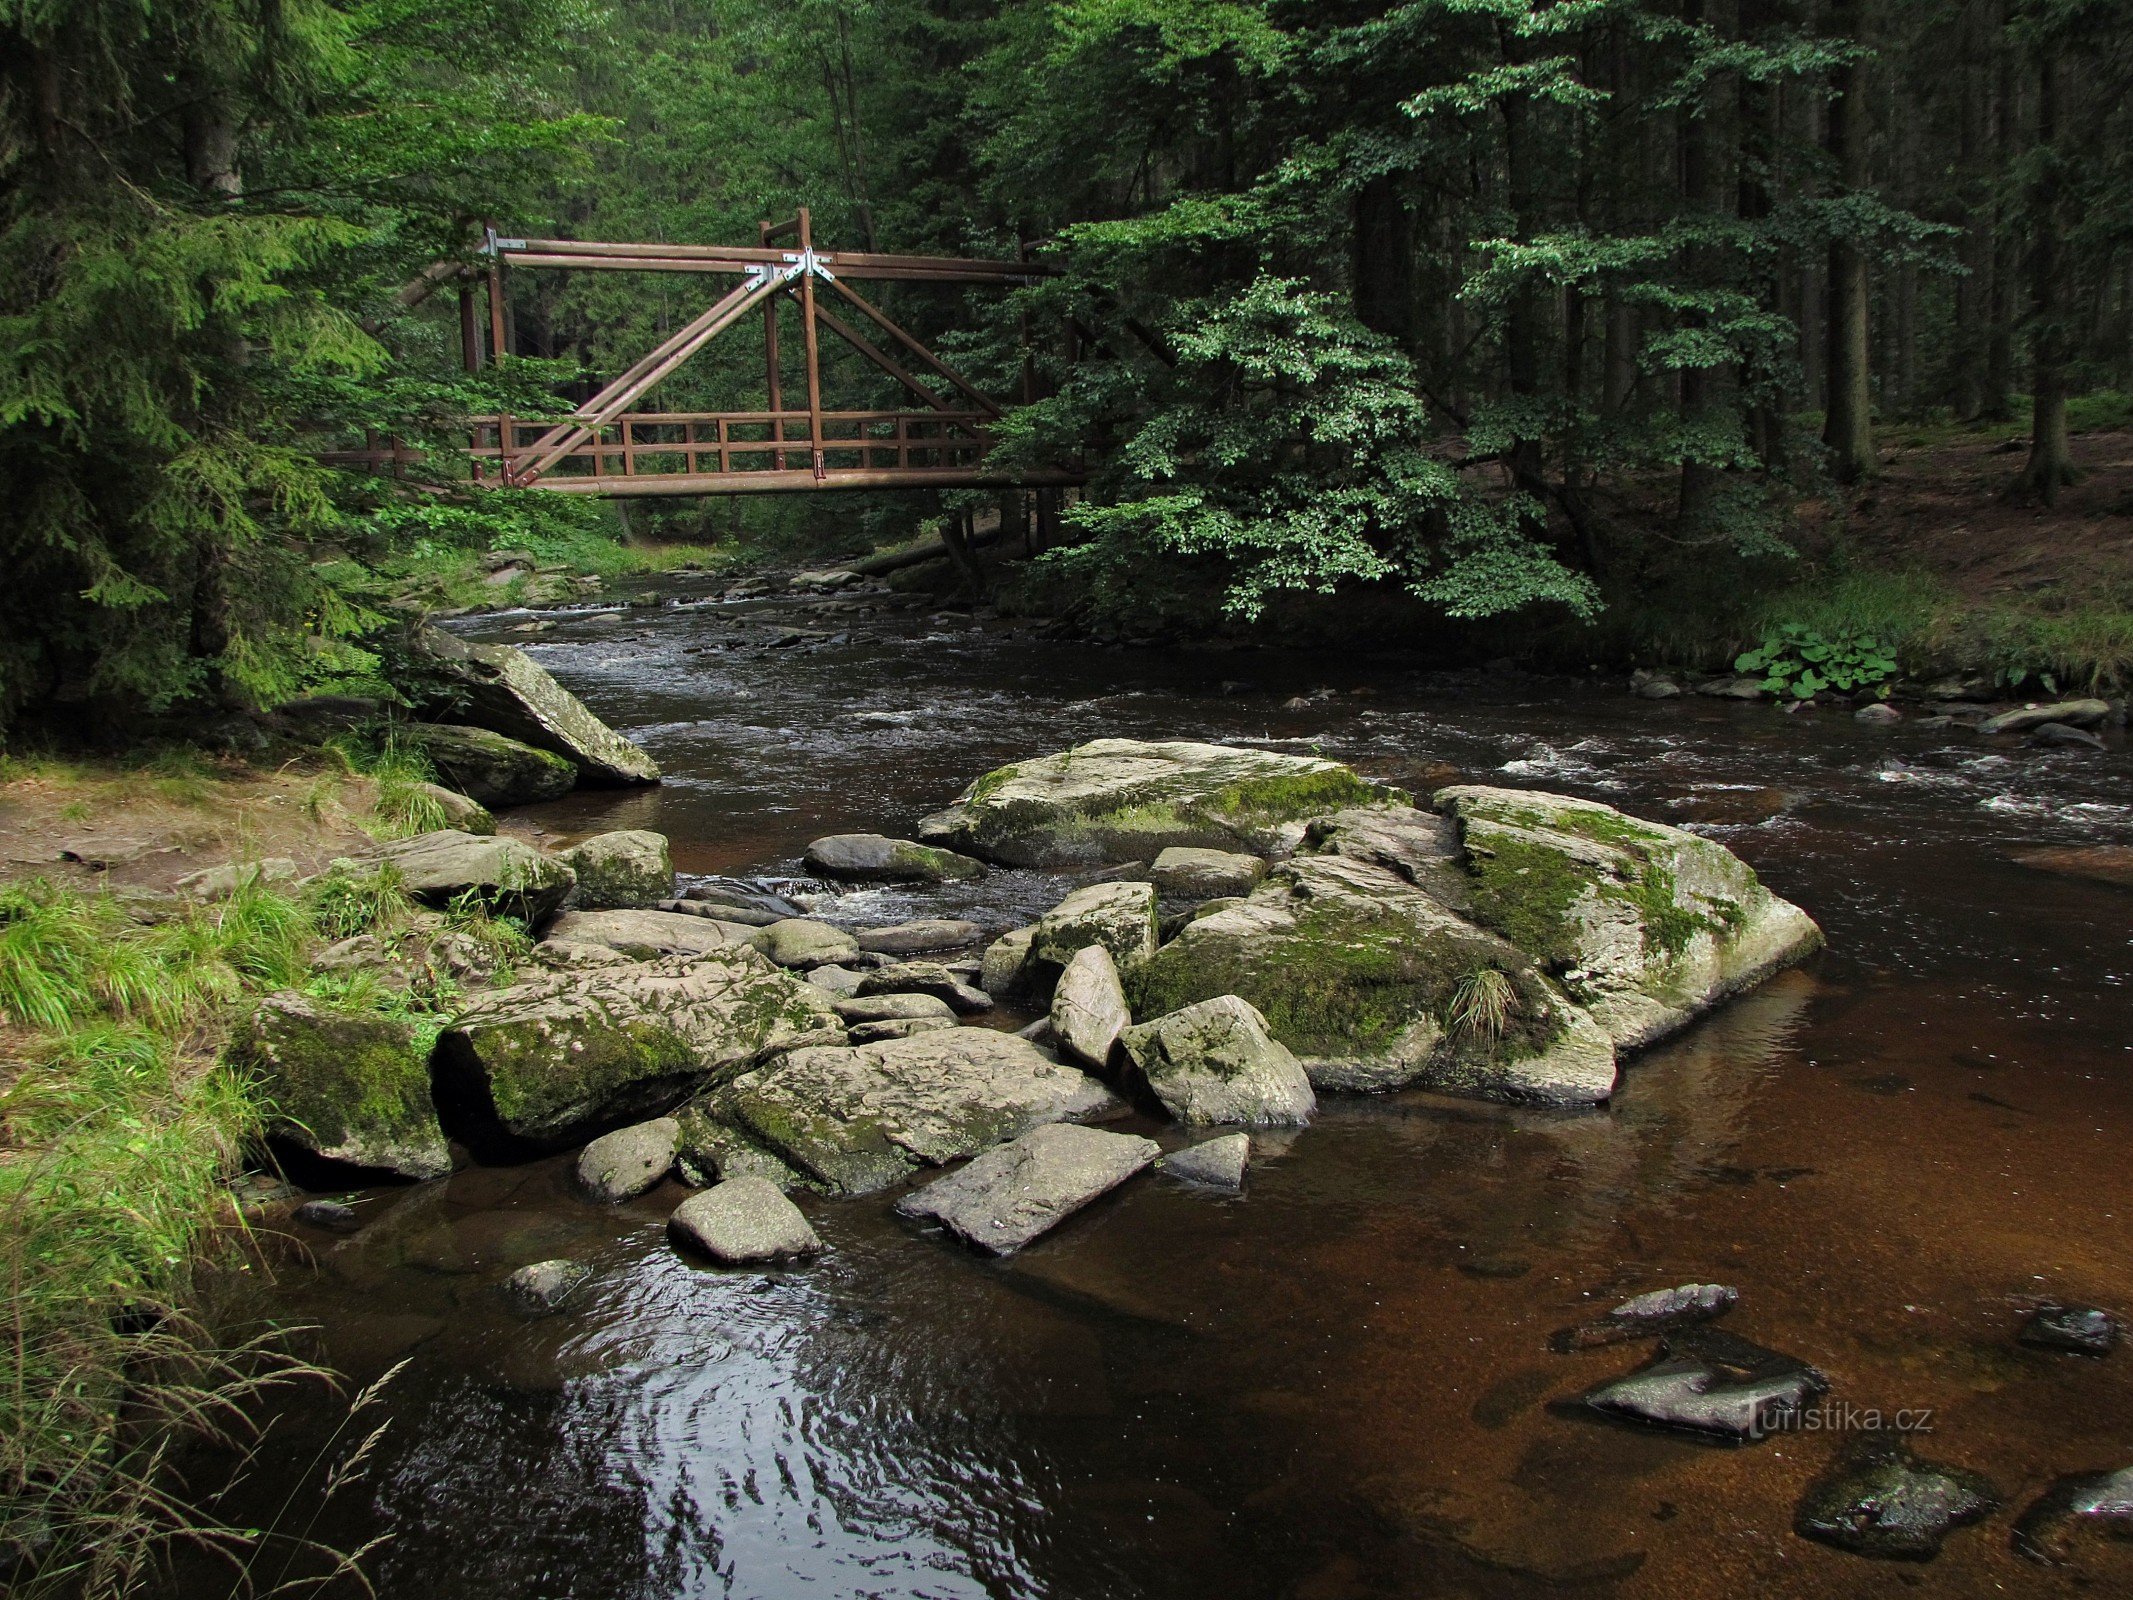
<point>796,442</point>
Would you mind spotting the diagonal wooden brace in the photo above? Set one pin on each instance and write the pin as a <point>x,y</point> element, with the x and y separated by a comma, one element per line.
<point>933,361</point>
<point>584,423</point>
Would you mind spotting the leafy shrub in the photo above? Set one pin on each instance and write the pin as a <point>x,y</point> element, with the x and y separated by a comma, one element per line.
<point>1801,661</point>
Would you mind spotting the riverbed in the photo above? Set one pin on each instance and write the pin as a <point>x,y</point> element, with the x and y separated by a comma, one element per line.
<point>1340,1383</point>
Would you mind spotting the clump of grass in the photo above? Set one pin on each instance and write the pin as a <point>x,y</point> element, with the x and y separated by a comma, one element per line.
<point>401,776</point>
<point>1481,1005</point>
<point>347,900</point>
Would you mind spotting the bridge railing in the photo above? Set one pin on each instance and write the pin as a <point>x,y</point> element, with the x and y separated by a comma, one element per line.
<point>729,444</point>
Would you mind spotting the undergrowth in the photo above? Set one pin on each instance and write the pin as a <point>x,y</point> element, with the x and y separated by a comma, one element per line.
<point>121,1124</point>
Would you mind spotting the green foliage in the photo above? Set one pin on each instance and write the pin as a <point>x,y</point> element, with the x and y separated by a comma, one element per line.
<point>347,900</point>
<point>1801,661</point>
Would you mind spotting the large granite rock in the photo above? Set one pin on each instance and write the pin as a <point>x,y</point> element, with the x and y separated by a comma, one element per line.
<point>744,1220</point>
<point>859,1118</point>
<point>1646,925</point>
<point>1011,1195</point>
<point>551,1060</point>
<point>622,1165</point>
<point>507,876</point>
<point>490,768</point>
<point>644,935</point>
<point>627,869</point>
<point>350,1088</point>
<point>1216,1062</point>
<point>1365,978</point>
<point>1089,1008</point>
<point>878,858</point>
<point>1114,800</point>
<point>1193,874</point>
<point>1118,916</point>
<point>499,687</point>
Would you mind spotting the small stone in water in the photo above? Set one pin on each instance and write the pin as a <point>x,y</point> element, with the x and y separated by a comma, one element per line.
<point>332,1215</point>
<point>1217,1163</point>
<point>1646,1314</point>
<point>1712,1385</point>
<point>2099,1501</point>
<point>2079,1330</point>
<point>1881,1500</point>
<point>545,1285</point>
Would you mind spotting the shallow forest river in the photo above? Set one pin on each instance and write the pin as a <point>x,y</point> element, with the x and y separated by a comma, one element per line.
<point>1339,1383</point>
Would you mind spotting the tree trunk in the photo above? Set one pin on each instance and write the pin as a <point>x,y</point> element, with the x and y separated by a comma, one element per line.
<point>2051,460</point>
<point>1384,259</point>
<point>1995,402</point>
<point>1848,428</point>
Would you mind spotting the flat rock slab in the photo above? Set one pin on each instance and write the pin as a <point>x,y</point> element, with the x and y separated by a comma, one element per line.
<point>1194,874</point>
<point>744,1220</point>
<point>548,1059</point>
<point>1008,1196</point>
<point>624,1164</point>
<point>1117,800</point>
<point>1213,1163</point>
<point>2070,713</point>
<point>893,1008</point>
<point>860,1118</point>
<point>874,857</point>
<point>914,938</point>
<point>897,1028</point>
<point>506,875</point>
<point>1713,1386</point>
<point>924,978</point>
<point>641,935</point>
<point>1089,1008</point>
<point>1881,1500</point>
<point>1216,1062</point>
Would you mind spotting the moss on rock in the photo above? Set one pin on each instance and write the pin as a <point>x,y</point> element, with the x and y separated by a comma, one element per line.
<point>348,1086</point>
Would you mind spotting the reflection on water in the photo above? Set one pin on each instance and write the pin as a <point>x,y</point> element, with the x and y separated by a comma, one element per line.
<point>1338,1384</point>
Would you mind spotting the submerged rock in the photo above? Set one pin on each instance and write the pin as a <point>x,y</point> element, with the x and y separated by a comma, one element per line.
<point>1881,1500</point>
<point>1010,1195</point>
<point>1089,1008</point>
<point>1216,1163</point>
<point>860,1118</point>
<point>624,1164</point>
<point>349,1088</point>
<point>627,869</point>
<point>499,687</point>
<point>743,1220</point>
<point>1646,1315</point>
<point>551,1059</point>
<point>1648,925</point>
<point>507,876</point>
<point>2083,1505</point>
<point>1216,1062</point>
<point>335,1216</point>
<point>1125,800</point>
<point>877,858</point>
<point>489,768</point>
<point>545,1285</point>
<point>1714,1386</point>
<point>2077,1330</point>
<point>2101,863</point>
<point>1194,874</point>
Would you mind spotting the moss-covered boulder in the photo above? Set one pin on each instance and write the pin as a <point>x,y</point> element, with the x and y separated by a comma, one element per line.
<point>1115,800</point>
<point>1375,984</point>
<point>1645,925</point>
<point>546,1063</point>
<point>630,869</point>
<point>1216,1062</point>
<point>490,768</point>
<point>857,1119</point>
<point>350,1087</point>
<point>505,876</point>
<point>1118,916</point>
<point>874,857</point>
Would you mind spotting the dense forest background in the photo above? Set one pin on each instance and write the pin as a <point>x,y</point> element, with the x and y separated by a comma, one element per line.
<point>1553,318</point>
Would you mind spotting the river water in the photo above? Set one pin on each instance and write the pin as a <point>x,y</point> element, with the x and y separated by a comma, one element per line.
<point>1338,1384</point>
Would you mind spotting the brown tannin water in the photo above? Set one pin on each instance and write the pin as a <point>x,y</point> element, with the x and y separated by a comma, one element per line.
<point>1340,1383</point>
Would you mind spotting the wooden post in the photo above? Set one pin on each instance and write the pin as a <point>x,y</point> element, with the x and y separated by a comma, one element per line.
<point>496,309</point>
<point>770,366</point>
<point>469,329</point>
<point>814,353</point>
